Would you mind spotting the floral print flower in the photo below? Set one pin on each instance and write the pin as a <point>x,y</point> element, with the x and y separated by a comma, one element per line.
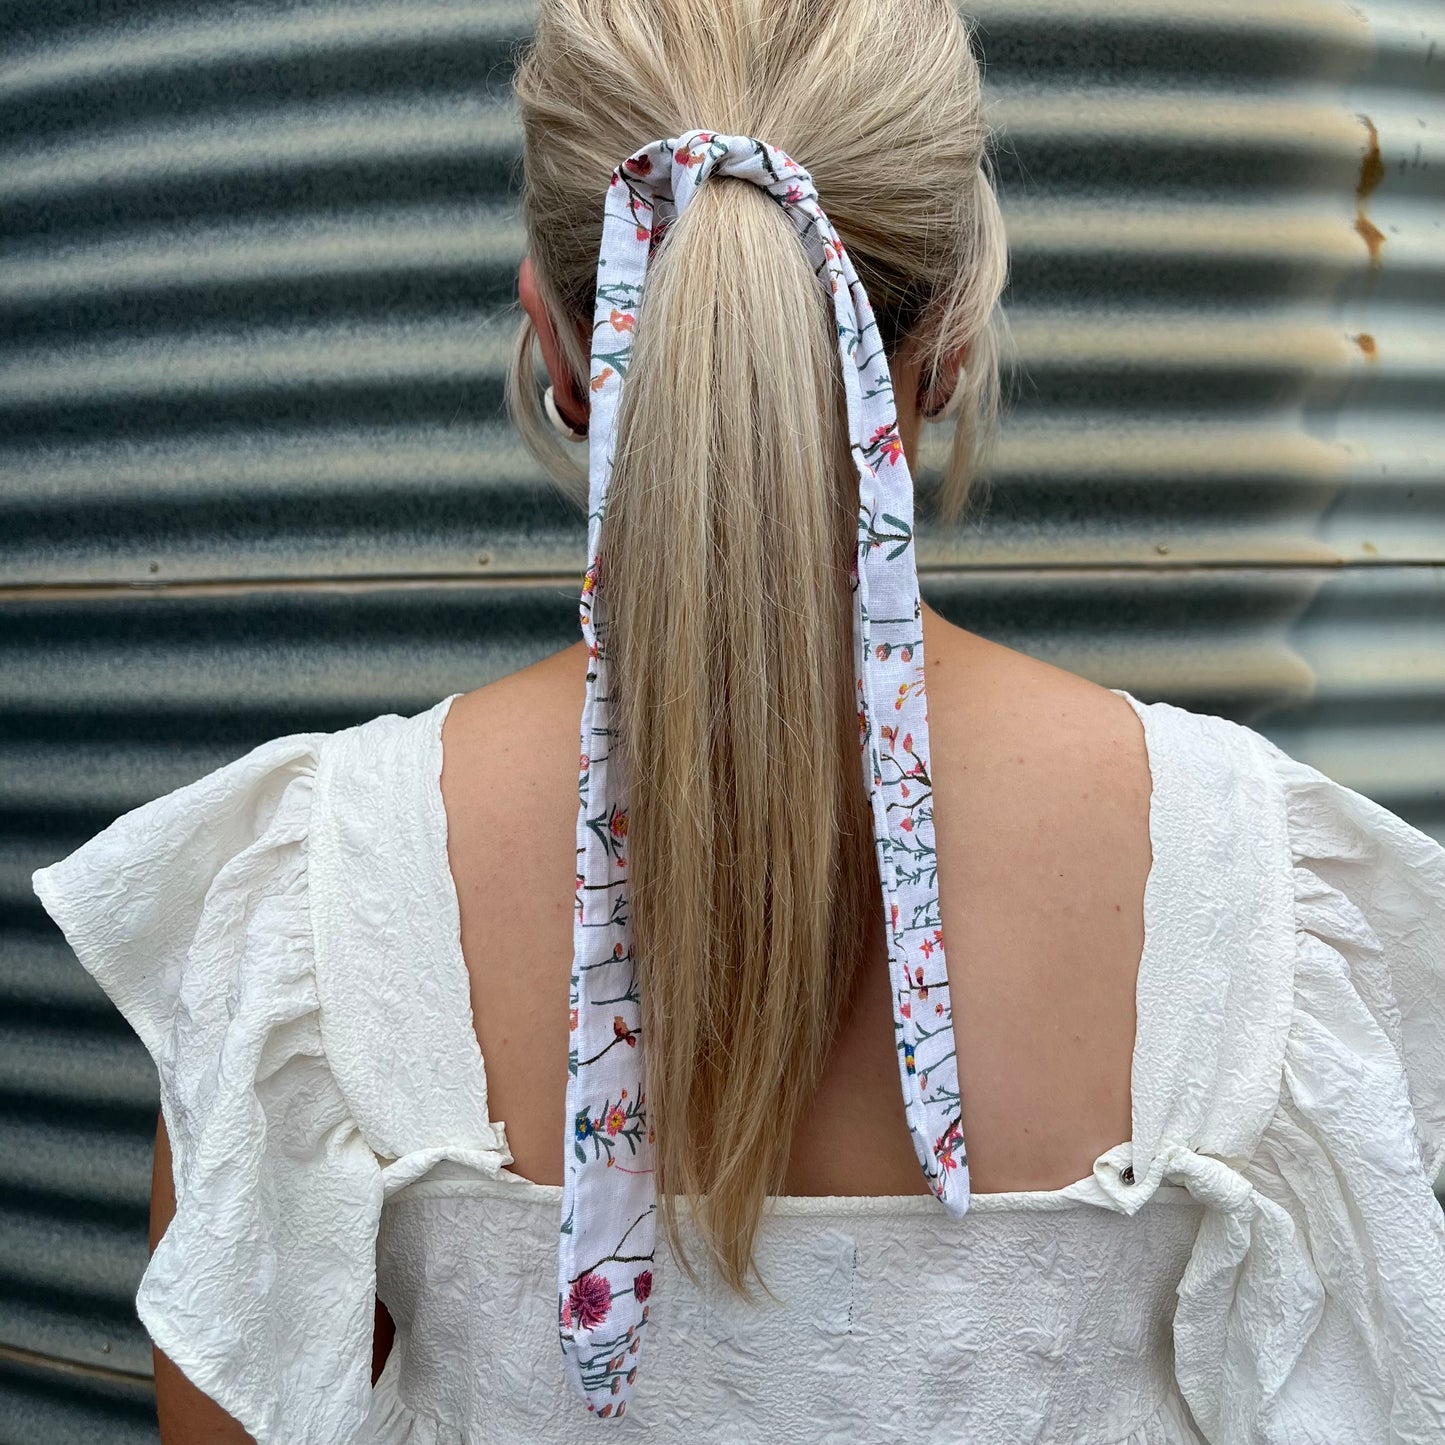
<point>615,1119</point>
<point>642,1285</point>
<point>590,1300</point>
<point>887,442</point>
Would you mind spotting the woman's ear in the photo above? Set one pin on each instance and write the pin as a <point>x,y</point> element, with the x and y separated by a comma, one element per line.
<point>574,408</point>
<point>933,401</point>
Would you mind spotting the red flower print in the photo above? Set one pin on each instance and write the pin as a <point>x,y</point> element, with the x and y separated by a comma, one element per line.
<point>893,914</point>
<point>927,947</point>
<point>600,380</point>
<point>938,1009</point>
<point>881,652</point>
<point>905,1010</point>
<point>903,789</point>
<point>918,975</point>
<point>566,1315</point>
<point>907,742</point>
<point>888,733</point>
<point>622,320</point>
<point>590,1301</point>
<point>906,653</point>
<point>907,825</point>
<point>888,441</point>
<point>642,233</point>
<point>642,1286</point>
<point>620,1029</point>
<point>619,823</point>
<point>616,1119</point>
<point>923,992</point>
<point>793,194</point>
<point>638,165</point>
<point>584,762</point>
<point>572,1018</point>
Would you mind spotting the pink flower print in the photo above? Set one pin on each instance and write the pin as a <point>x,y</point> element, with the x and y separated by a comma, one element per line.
<point>642,1286</point>
<point>642,233</point>
<point>623,320</point>
<point>938,1009</point>
<point>793,194</point>
<point>906,1010</point>
<point>893,915</point>
<point>616,1119</point>
<point>638,165</point>
<point>907,825</point>
<point>927,947</point>
<point>906,653</point>
<point>903,789</point>
<point>888,733</point>
<point>572,1018</point>
<point>620,1029</point>
<point>918,975</point>
<point>888,441</point>
<point>907,742</point>
<point>566,1315</point>
<point>583,763</point>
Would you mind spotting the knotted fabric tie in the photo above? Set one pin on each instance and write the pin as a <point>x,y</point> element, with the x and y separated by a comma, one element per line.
<point>609,1203</point>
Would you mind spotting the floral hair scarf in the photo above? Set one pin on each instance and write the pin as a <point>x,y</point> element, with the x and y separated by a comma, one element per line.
<point>609,1205</point>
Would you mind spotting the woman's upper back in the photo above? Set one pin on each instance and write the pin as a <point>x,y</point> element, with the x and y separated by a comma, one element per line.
<point>1041,823</point>
<point>285,937</point>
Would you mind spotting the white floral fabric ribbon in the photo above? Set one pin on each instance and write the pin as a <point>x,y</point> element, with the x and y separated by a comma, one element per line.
<point>606,1252</point>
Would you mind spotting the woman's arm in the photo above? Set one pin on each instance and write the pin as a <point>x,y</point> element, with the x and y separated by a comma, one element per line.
<point>188,1416</point>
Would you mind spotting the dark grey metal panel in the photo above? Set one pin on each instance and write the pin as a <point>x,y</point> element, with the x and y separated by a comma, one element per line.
<point>256,263</point>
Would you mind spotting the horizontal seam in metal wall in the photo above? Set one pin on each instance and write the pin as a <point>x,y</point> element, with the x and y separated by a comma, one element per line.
<point>35,1360</point>
<point>92,591</point>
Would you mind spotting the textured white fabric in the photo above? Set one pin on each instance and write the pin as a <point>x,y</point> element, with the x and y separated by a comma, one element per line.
<point>1264,1258</point>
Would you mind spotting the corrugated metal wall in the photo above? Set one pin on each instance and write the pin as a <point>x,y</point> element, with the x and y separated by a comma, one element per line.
<point>254,476</point>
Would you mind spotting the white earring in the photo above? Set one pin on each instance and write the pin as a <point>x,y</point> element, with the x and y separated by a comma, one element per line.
<point>560,422</point>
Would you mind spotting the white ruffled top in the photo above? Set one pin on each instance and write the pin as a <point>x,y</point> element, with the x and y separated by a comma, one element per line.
<point>1264,1261</point>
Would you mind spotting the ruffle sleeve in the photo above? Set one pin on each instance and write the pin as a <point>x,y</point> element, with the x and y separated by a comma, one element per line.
<point>1290,1072</point>
<point>192,912</point>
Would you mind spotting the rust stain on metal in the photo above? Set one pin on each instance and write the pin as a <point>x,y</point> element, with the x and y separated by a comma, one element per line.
<point>1372,172</point>
<point>1366,343</point>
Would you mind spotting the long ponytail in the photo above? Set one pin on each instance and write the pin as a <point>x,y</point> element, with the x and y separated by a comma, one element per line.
<point>732,518</point>
<point>730,521</point>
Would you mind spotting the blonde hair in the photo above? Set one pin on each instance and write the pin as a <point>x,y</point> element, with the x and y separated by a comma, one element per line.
<point>732,515</point>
